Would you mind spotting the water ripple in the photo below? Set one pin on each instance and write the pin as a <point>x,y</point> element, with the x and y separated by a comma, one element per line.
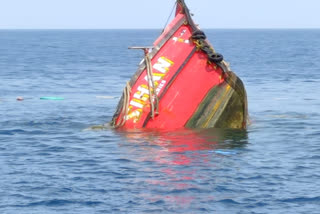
<point>53,162</point>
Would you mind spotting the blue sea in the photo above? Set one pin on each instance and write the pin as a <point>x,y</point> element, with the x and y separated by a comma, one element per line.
<point>53,161</point>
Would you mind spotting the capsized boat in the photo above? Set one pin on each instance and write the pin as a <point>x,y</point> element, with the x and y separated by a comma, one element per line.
<point>182,82</point>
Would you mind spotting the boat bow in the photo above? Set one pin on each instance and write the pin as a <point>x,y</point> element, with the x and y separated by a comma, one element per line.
<point>182,82</point>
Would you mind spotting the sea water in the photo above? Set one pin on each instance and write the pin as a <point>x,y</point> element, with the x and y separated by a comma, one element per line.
<point>51,161</point>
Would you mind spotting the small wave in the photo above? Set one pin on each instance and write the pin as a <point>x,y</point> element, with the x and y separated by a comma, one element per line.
<point>225,152</point>
<point>153,211</point>
<point>60,202</point>
<point>302,200</point>
<point>20,131</point>
<point>186,190</point>
<point>229,202</point>
<point>11,132</point>
<point>54,149</point>
<point>157,202</point>
<point>315,157</point>
<point>314,134</point>
<point>122,160</point>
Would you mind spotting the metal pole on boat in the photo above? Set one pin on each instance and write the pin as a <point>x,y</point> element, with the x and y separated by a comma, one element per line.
<point>153,98</point>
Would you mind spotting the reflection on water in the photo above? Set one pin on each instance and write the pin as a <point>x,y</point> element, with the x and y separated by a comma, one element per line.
<point>179,163</point>
<point>183,140</point>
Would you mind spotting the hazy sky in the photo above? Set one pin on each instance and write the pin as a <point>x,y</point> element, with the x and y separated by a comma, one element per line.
<point>87,14</point>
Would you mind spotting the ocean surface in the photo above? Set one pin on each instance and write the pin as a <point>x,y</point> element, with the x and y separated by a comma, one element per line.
<point>51,161</point>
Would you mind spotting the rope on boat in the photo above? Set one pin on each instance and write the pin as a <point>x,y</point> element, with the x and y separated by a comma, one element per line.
<point>125,106</point>
<point>174,6</point>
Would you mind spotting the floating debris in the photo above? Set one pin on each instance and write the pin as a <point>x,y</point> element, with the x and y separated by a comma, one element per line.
<point>20,98</point>
<point>98,127</point>
<point>51,98</point>
<point>106,97</point>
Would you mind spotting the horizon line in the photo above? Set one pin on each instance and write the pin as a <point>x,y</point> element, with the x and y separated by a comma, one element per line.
<point>249,28</point>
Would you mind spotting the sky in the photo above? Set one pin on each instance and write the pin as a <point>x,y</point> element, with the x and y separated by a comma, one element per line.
<point>127,14</point>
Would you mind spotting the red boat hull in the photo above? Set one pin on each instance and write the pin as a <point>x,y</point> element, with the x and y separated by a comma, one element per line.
<point>188,89</point>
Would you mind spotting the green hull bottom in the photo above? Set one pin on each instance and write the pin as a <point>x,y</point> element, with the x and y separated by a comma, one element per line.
<point>225,106</point>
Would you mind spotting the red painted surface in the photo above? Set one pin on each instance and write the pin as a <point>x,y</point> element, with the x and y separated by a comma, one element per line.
<point>174,22</point>
<point>187,89</point>
<point>186,93</point>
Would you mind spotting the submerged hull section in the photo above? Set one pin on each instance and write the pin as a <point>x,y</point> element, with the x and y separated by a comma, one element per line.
<point>182,82</point>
